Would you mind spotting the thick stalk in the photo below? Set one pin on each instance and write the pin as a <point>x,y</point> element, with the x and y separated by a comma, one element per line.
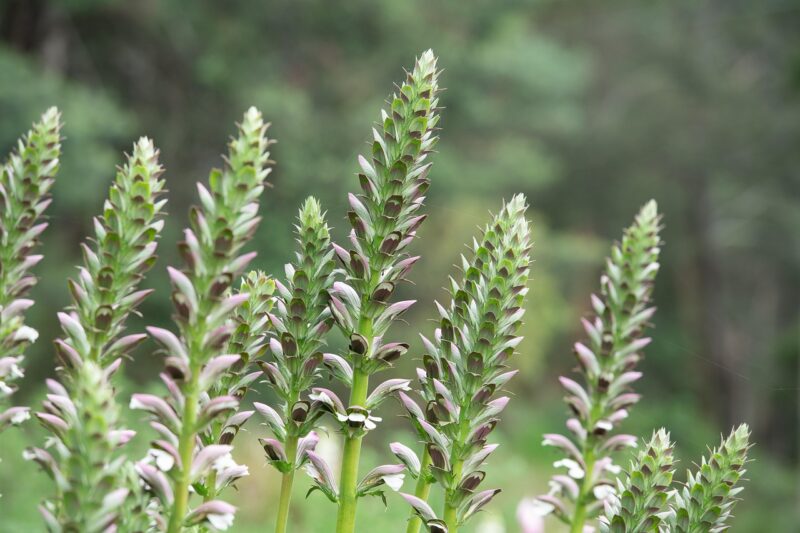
<point>186,451</point>
<point>422,492</point>
<point>579,518</point>
<point>286,486</point>
<point>346,519</point>
<point>451,511</point>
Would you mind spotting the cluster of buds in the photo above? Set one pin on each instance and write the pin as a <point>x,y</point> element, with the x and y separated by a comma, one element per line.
<point>384,219</point>
<point>25,183</point>
<point>640,503</point>
<point>299,323</point>
<point>465,368</point>
<point>606,364</point>
<point>80,411</point>
<point>707,498</point>
<point>196,360</point>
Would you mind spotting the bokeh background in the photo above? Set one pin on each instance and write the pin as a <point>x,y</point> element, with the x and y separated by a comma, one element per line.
<point>589,108</point>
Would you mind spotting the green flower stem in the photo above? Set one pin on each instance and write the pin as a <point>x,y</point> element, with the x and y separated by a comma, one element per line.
<point>579,517</point>
<point>186,451</point>
<point>287,480</point>
<point>348,499</point>
<point>286,486</point>
<point>450,509</point>
<point>422,491</point>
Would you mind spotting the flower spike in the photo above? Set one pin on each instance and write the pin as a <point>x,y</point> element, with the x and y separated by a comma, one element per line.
<point>25,183</point>
<point>300,320</point>
<point>706,501</point>
<point>94,481</point>
<point>464,368</point>
<point>196,359</point>
<point>606,363</point>
<point>640,499</point>
<point>384,219</point>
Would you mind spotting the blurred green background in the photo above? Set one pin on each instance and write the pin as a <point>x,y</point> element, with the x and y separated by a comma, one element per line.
<point>589,108</point>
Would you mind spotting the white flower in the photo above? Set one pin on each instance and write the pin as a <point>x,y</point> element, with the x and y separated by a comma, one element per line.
<point>360,419</point>
<point>573,468</point>
<point>531,513</point>
<point>26,333</point>
<point>394,481</point>
<point>5,389</point>
<point>605,425</point>
<point>223,462</point>
<point>603,491</point>
<point>135,403</point>
<point>21,416</point>
<point>163,460</point>
<point>220,521</point>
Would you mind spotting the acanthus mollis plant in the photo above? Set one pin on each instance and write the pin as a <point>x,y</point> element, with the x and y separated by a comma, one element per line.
<point>384,219</point>
<point>92,486</point>
<point>197,359</point>
<point>464,370</point>
<point>300,321</point>
<point>25,183</point>
<point>641,499</point>
<point>248,341</point>
<point>606,364</point>
<point>706,500</point>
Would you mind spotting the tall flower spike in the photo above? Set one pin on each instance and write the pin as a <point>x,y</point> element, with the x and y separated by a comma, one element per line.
<point>606,364</point>
<point>248,341</point>
<point>641,498</point>
<point>706,501</point>
<point>465,370</point>
<point>300,321</point>
<point>205,314</point>
<point>384,218</point>
<point>25,182</point>
<point>81,411</point>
